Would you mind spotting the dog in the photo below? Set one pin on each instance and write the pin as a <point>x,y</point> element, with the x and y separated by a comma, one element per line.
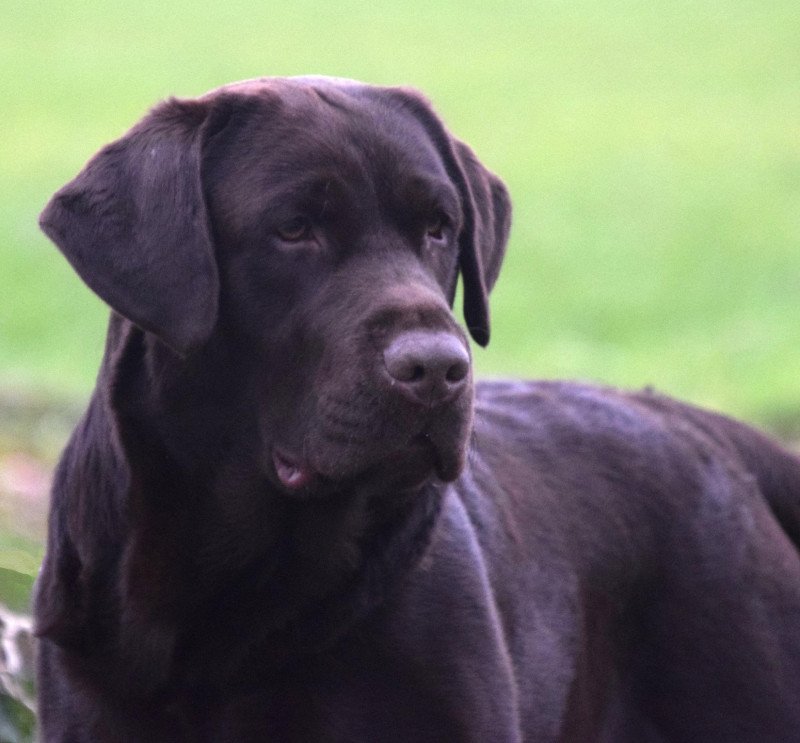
<point>289,514</point>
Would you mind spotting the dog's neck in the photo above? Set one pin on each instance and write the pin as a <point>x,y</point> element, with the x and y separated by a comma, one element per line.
<point>310,569</point>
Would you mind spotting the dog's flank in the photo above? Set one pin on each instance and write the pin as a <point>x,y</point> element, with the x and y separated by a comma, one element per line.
<point>289,515</point>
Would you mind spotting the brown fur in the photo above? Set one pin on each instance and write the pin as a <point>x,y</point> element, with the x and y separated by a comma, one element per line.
<point>273,524</point>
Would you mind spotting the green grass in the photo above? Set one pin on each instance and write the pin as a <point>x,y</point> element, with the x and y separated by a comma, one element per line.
<point>652,150</point>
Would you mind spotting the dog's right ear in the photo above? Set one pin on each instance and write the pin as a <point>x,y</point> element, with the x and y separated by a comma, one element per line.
<point>134,226</point>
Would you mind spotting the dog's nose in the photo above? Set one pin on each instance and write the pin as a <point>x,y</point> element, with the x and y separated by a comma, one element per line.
<point>429,367</point>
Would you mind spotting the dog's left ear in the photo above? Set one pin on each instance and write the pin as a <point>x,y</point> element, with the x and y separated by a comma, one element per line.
<point>486,212</point>
<point>483,239</point>
<point>133,224</point>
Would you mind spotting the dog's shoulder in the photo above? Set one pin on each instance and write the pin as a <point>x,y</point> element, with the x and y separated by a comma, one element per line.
<point>616,461</point>
<point>577,420</point>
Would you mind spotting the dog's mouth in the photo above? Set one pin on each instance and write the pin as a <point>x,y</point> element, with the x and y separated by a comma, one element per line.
<point>404,468</point>
<point>294,474</point>
<point>420,460</point>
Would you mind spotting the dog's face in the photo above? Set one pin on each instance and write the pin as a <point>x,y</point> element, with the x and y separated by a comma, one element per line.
<point>312,231</point>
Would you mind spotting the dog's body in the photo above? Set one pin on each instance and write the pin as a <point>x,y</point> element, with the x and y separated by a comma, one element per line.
<point>285,518</point>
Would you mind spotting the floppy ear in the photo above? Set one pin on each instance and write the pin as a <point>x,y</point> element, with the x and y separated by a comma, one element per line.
<point>483,241</point>
<point>486,210</point>
<point>133,224</point>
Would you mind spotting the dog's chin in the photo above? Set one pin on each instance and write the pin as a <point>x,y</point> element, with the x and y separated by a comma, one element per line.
<point>419,462</point>
<point>407,468</point>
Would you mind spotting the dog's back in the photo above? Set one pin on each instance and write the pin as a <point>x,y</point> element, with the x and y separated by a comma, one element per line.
<point>651,542</point>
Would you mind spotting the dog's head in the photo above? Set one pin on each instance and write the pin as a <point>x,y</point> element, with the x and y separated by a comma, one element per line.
<point>312,231</point>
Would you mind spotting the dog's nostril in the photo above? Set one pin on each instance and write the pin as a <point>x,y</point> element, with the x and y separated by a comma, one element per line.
<point>402,366</point>
<point>430,366</point>
<point>458,371</point>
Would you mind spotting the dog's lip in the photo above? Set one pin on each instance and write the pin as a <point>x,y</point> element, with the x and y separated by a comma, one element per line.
<point>431,458</point>
<point>447,463</point>
<point>293,473</point>
<point>416,461</point>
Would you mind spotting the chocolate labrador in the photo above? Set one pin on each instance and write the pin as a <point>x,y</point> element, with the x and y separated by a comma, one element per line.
<point>288,514</point>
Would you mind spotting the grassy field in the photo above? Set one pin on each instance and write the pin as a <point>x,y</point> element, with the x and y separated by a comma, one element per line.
<point>652,150</point>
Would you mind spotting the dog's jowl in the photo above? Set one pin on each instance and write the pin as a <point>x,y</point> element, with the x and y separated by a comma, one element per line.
<point>288,513</point>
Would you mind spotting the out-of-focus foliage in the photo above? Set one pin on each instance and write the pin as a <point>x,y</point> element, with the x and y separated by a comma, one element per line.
<point>17,705</point>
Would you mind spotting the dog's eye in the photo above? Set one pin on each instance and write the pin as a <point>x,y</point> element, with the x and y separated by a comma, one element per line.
<point>295,229</point>
<point>435,229</point>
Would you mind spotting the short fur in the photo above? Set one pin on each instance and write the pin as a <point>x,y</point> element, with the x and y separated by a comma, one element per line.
<point>258,533</point>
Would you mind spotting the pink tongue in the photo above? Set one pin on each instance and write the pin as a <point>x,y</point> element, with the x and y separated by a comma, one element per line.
<point>293,475</point>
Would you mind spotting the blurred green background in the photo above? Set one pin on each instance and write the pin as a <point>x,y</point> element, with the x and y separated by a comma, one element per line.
<point>652,150</point>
